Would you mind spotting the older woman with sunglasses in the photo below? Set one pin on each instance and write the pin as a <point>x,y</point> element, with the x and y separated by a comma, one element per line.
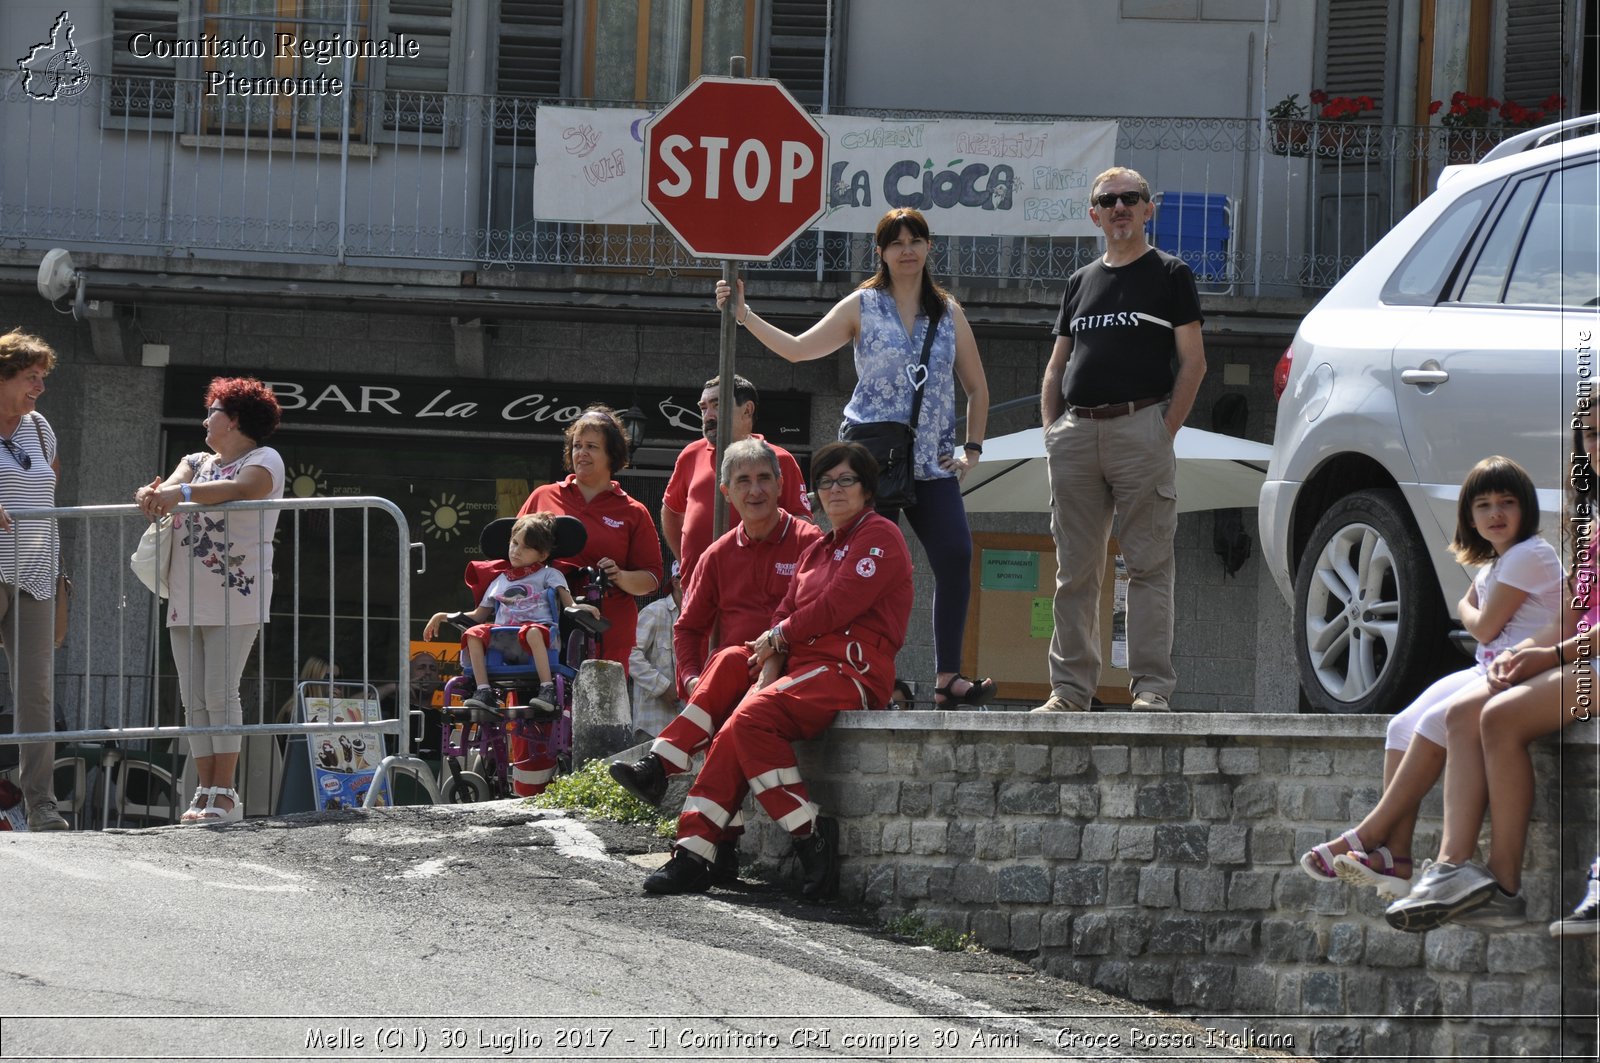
<point>29,551</point>
<point>221,576</point>
<point>831,648</point>
<point>888,318</point>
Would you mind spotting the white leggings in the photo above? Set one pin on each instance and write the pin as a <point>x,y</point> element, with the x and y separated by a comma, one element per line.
<point>210,660</point>
<point>1425,716</point>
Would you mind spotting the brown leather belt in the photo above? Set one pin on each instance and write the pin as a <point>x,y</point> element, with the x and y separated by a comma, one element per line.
<point>1113,409</point>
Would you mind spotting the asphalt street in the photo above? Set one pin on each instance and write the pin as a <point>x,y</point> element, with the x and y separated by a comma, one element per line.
<point>490,931</point>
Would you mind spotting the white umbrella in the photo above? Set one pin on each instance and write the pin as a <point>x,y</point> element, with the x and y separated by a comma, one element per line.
<point>1215,471</point>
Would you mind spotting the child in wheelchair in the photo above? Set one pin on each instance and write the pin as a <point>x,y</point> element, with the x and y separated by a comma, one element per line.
<point>515,599</point>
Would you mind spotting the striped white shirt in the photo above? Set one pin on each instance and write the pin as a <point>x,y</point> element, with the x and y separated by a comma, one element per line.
<point>31,546</point>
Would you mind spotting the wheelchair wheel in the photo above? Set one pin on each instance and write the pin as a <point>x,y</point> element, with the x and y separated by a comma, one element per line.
<point>467,788</point>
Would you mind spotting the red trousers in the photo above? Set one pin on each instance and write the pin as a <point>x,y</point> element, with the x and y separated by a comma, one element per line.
<point>751,736</point>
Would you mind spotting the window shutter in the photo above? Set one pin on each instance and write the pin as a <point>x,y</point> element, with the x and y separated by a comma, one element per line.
<point>1533,59</point>
<point>532,42</point>
<point>414,88</point>
<point>142,87</point>
<point>796,46</point>
<point>1355,48</point>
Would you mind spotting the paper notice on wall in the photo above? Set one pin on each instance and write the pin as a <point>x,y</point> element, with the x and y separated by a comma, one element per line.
<point>1119,615</point>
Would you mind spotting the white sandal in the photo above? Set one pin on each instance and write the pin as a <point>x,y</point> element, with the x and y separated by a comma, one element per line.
<point>212,816</point>
<point>1318,860</point>
<point>195,810</point>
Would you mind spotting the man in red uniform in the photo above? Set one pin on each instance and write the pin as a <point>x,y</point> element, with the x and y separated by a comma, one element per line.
<point>687,505</point>
<point>831,648</point>
<point>730,601</point>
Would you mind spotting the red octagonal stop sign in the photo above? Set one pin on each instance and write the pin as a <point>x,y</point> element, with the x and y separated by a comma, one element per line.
<point>735,168</point>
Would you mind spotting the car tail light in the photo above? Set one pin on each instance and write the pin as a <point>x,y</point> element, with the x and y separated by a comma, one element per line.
<point>1280,375</point>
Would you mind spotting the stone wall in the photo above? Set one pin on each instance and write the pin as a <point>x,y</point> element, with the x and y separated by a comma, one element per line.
<point>1154,857</point>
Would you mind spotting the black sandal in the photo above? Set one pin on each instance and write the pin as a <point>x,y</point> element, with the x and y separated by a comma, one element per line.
<point>979,692</point>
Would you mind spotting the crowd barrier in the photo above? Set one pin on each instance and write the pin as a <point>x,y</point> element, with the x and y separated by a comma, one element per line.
<point>342,593</point>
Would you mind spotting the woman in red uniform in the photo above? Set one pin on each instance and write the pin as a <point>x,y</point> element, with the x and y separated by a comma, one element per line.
<point>831,648</point>
<point>622,541</point>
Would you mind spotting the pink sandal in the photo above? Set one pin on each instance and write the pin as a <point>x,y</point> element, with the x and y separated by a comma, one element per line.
<point>1318,861</point>
<point>1379,870</point>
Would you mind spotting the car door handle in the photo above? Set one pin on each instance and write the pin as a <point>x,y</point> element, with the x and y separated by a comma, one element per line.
<point>1423,377</point>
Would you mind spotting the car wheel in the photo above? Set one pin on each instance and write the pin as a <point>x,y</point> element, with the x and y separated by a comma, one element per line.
<point>1369,627</point>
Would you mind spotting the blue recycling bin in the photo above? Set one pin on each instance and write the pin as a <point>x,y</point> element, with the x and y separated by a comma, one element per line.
<point>1194,226</point>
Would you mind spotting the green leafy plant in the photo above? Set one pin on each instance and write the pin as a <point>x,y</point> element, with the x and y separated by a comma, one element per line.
<point>592,790</point>
<point>912,928</point>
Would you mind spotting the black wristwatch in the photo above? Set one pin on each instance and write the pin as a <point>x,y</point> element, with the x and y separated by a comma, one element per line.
<point>976,448</point>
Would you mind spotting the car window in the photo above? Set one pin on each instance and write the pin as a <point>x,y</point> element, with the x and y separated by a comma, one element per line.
<point>1559,264</point>
<point>1427,265</point>
<point>1487,279</point>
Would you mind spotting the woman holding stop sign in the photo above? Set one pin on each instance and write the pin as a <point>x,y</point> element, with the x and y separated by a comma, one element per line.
<point>912,343</point>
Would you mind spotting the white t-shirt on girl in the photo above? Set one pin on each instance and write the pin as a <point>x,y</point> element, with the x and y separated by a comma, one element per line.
<point>1532,566</point>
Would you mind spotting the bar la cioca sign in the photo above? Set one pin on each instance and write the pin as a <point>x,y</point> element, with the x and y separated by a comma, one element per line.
<point>428,404</point>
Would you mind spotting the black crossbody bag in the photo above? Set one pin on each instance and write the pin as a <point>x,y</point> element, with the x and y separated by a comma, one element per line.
<point>893,444</point>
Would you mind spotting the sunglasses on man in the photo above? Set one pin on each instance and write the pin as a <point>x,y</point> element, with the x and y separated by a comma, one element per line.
<point>1107,200</point>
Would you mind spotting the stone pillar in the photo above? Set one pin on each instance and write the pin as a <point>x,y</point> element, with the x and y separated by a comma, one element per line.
<point>602,717</point>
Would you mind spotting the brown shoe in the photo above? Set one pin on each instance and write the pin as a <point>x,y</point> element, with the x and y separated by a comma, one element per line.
<point>1151,703</point>
<point>1057,703</point>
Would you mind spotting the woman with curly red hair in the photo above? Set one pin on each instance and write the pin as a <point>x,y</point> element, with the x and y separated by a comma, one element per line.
<point>221,575</point>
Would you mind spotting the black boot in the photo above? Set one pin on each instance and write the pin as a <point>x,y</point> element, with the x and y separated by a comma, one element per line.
<point>819,860</point>
<point>644,778</point>
<point>725,871</point>
<point>684,873</point>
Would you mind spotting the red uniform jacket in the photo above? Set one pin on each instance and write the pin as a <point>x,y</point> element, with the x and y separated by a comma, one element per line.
<point>692,491</point>
<point>620,528</point>
<point>735,590</point>
<point>851,601</point>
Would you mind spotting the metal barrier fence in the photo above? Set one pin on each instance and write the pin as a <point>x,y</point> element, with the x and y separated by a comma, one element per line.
<point>342,595</point>
<point>445,180</point>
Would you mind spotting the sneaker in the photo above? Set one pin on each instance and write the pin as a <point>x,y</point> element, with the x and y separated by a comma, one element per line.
<point>644,778</point>
<point>1443,892</point>
<point>1145,701</point>
<point>485,699</point>
<point>1584,922</point>
<point>819,860</point>
<point>544,702</point>
<point>1501,911</point>
<point>684,873</point>
<point>44,816</point>
<point>1057,703</point>
<point>725,870</point>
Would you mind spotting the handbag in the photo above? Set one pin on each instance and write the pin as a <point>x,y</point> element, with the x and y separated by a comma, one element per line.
<point>893,443</point>
<point>152,558</point>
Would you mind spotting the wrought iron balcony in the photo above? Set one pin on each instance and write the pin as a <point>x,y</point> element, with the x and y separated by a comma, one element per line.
<point>155,166</point>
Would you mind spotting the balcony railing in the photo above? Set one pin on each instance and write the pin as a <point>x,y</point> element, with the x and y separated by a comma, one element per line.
<point>154,166</point>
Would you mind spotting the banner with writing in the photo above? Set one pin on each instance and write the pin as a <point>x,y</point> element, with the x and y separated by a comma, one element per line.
<point>970,176</point>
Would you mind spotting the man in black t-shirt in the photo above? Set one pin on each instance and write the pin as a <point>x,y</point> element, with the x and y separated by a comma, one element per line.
<point>1127,362</point>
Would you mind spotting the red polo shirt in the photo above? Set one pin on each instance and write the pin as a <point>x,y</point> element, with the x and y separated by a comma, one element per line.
<point>692,491</point>
<point>736,587</point>
<point>619,527</point>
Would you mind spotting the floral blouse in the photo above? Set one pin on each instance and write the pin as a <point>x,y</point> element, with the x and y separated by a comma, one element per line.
<point>887,360</point>
<point>218,552</point>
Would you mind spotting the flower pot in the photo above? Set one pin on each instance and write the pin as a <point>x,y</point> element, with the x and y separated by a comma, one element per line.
<point>1328,140</point>
<point>1290,136</point>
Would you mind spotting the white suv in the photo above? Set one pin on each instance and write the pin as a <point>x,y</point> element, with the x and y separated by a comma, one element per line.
<point>1467,331</point>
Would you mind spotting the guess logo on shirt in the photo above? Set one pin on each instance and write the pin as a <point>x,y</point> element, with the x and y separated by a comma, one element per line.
<point>612,522</point>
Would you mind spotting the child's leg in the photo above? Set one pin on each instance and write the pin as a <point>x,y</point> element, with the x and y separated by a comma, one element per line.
<point>533,637</point>
<point>476,658</point>
<point>1466,794</point>
<point>1394,818</point>
<point>1510,722</point>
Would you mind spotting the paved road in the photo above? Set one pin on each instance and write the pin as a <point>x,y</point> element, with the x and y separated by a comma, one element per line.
<point>487,932</point>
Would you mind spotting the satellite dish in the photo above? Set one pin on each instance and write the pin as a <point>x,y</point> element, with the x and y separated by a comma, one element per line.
<point>57,278</point>
<point>56,274</point>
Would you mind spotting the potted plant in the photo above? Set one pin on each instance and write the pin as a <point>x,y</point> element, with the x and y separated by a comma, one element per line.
<point>1474,124</point>
<point>1329,122</point>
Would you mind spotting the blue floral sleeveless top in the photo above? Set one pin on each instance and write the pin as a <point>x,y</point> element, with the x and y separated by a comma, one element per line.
<point>886,359</point>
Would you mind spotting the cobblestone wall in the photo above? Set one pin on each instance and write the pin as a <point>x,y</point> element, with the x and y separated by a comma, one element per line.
<point>1154,857</point>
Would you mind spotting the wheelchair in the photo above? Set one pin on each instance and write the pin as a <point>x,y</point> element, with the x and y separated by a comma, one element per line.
<point>518,750</point>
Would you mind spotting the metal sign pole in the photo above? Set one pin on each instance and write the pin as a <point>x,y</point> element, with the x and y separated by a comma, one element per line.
<point>728,341</point>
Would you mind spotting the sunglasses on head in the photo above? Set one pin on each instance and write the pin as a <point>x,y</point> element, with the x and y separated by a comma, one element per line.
<point>1107,200</point>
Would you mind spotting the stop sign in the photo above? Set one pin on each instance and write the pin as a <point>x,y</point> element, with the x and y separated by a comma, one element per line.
<point>735,168</point>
